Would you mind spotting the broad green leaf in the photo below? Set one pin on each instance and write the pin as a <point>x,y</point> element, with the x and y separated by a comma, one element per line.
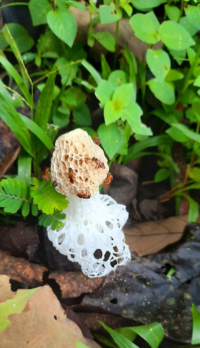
<point>73,96</point>
<point>92,71</point>
<point>141,145</point>
<point>67,70</point>
<point>76,5</point>
<point>126,332</point>
<point>177,135</point>
<point>197,82</point>
<point>151,15</point>
<point>127,8</point>
<point>123,94</point>
<point>63,25</point>
<point>24,168</point>
<point>38,131</point>
<point>173,75</point>
<point>132,114</point>
<point>61,117</point>
<point>11,117</point>
<point>13,306</point>
<point>174,36</point>
<point>118,78</point>
<point>109,13</point>
<point>110,138</point>
<point>15,75</point>
<point>23,41</point>
<point>119,339</point>
<point>193,15</point>
<point>144,4</point>
<point>144,28</point>
<point>194,174</point>
<point>186,131</point>
<point>173,13</point>
<point>179,56</point>
<point>159,63</point>
<point>45,102</point>
<point>82,116</point>
<point>192,30</point>
<point>106,40</point>
<point>163,91</point>
<point>104,92</point>
<point>152,333</point>
<point>39,10</point>
<point>161,175</point>
<point>196,326</point>
<point>112,111</point>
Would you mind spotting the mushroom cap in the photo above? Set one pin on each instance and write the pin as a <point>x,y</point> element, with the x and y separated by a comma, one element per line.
<point>78,165</point>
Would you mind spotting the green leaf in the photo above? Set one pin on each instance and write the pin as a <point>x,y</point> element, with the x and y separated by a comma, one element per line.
<point>24,168</point>
<point>186,131</point>
<point>196,325</point>
<point>82,116</point>
<point>127,8</point>
<point>179,56</point>
<point>13,306</point>
<point>47,198</point>
<point>92,71</point>
<point>110,138</point>
<point>104,92</point>
<point>152,333</point>
<point>63,25</point>
<point>14,99</point>
<point>193,209</point>
<point>161,175</point>
<point>13,193</point>
<point>188,26</point>
<point>81,345</point>
<point>159,63</point>
<point>132,114</point>
<point>141,145</point>
<point>119,339</point>
<point>105,67</point>
<point>173,13</point>
<point>53,220</point>
<point>123,94</point>
<point>118,78</point>
<point>106,40</point>
<point>127,332</point>
<point>174,36</point>
<point>144,4</point>
<point>173,75</point>
<point>67,70</point>
<point>11,117</point>
<point>39,10</point>
<point>194,174</point>
<point>177,135</point>
<point>193,15</point>
<point>144,28</point>
<point>163,91</point>
<point>51,131</point>
<point>112,111</point>
<point>23,41</point>
<point>45,102</point>
<point>76,5</point>
<point>109,13</point>
<point>197,82</point>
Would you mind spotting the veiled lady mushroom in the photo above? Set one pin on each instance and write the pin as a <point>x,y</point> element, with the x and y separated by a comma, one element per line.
<point>92,232</point>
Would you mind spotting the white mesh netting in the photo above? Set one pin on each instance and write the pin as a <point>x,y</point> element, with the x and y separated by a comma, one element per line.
<point>92,234</point>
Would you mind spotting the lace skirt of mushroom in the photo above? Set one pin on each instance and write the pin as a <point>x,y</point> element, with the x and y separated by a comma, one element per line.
<point>92,234</point>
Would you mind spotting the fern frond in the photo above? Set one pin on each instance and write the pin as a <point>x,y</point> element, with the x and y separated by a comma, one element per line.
<point>47,198</point>
<point>53,220</point>
<point>13,194</point>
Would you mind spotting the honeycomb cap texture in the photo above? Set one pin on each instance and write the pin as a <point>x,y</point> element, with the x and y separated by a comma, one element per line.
<point>92,234</point>
<point>78,165</point>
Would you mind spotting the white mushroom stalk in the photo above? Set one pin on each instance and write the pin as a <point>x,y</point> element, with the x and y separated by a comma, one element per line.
<point>92,232</point>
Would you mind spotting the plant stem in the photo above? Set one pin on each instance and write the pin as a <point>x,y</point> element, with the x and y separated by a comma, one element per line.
<point>181,10</point>
<point>117,36</point>
<point>54,5</point>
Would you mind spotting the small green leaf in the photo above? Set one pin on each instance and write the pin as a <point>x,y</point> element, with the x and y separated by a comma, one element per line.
<point>144,28</point>
<point>119,339</point>
<point>161,175</point>
<point>23,41</point>
<point>193,15</point>
<point>63,25</point>
<point>144,4</point>
<point>118,78</point>
<point>109,13</point>
<point>179,56</point>
<point>173,13</point>
<point>106,40</point>
<point>13,306</point>
<point>159,63</point>
<point>186,131</point>
<point>194,174</point>
<point>92,71</point>
<point>173,75</point>
<point>192,30</point>
<point>110,138</point>
<point>81,345</point>
<point>54,220</point>
<point>174,36</point>
<point>177,135</point>
<point>132,114</point>
<point>112,111</point>
<point>105,67</point>
<point>76,5</point>
<point>104,92</point>
<point>39,10</point>
<point>163,91</point>
<point>152,333</point>
<point>82,116</point>
<point>196,326</point>
<point>123,94</point>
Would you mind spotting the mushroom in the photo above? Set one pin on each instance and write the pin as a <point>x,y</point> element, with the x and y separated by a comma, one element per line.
<point>92,233</point>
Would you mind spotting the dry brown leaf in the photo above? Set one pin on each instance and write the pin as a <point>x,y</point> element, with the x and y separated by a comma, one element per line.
<point>5,290</point>
<point>42,324</point>
<point>152,236</point>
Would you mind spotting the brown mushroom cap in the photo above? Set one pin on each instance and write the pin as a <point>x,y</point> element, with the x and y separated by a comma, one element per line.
<point>78,165</point>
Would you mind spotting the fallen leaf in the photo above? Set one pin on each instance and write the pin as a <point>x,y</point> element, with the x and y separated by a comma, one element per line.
<point>152,236</point>
<point>5,290</point>
<point>43,325</point>
<point>10,148</point>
